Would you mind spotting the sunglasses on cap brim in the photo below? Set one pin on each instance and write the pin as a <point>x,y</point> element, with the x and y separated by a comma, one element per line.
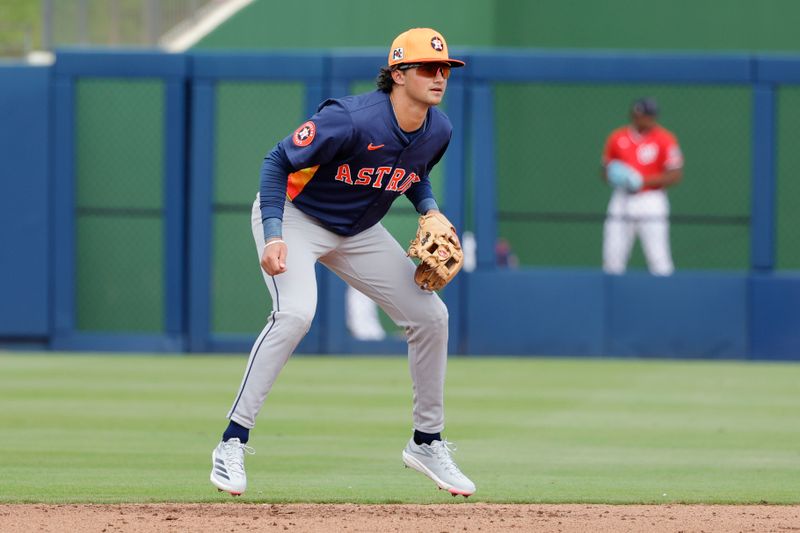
<point>429,70</point>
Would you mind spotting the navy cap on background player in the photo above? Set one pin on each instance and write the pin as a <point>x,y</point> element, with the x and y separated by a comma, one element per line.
<point>420,45</point>
<point>645,106</point>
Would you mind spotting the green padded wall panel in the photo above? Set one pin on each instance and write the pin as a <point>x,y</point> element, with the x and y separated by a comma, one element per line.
<point>788,189</point>
<point>250,119</point>
<point>119,191</point>
<point>120,282</point>
<point>119,143</point>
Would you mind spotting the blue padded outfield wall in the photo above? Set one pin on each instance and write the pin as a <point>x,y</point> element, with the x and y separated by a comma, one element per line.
<point>125,205</point>
<point>25,203</point>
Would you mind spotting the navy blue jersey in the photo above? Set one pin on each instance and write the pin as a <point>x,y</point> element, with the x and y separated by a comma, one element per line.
<point>351,160</point>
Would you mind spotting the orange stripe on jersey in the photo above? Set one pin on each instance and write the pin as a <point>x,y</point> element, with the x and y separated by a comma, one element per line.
<point>298,180</point>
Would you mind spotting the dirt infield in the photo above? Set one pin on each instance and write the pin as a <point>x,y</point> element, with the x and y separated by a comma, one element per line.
<point>482,517</point>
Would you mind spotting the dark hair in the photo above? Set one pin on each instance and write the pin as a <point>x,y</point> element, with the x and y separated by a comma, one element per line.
<point>645,106</point>
<point>384,80</point>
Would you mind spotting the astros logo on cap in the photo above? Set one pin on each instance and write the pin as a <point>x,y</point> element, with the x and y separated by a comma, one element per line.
<point>420,45</point>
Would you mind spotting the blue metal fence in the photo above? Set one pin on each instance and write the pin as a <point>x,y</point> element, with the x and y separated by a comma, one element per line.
<point>690,314</point>
<point>530,311</point>
<point>208,69</point>
<point>173,71</point>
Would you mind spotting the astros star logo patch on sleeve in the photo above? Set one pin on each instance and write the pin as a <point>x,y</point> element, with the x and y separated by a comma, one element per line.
<point>304,134</point>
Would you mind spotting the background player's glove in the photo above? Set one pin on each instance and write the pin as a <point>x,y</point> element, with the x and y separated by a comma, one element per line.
<point>623,176</point>
<point>439,252</point>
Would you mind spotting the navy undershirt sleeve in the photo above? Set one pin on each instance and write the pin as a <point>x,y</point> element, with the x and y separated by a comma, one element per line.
<point>421,194</point>
<point>274,176</point>
<point>426,205</point>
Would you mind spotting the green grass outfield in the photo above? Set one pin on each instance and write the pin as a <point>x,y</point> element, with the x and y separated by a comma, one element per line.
<point>129,428</point>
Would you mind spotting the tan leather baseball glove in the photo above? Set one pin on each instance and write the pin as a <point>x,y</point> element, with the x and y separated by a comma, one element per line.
<point>439,252</point>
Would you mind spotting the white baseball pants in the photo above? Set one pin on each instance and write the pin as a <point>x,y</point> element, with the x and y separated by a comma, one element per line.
<point>374,263</point>
<point>645,214</point>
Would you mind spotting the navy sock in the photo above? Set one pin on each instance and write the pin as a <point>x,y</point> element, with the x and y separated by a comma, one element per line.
<point>236,431</point>
<point>426,438</point>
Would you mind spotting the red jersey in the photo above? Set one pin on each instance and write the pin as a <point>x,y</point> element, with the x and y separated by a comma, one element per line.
<point>651,153</point>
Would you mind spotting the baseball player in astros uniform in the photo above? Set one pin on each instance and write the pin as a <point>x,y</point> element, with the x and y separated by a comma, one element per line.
<point>640,161</point>
<point>324,190</point>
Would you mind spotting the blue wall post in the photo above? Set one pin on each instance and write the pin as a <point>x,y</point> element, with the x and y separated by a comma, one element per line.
<point>175,184</point>
<point>201,197</point>
<point>763,179</point>
<point>25,202</point>
<point>63,222</point>
<point>455,176</point>
<point>484,172</point>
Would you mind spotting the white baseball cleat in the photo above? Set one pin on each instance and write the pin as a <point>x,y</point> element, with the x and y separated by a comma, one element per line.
<point>227,466</point>
<point>436,462</point>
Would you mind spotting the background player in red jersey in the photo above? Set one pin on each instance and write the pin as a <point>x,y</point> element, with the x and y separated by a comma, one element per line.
<point>640,161</point>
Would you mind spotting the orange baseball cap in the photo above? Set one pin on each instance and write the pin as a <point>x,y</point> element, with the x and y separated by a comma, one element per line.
<point>420,45</point>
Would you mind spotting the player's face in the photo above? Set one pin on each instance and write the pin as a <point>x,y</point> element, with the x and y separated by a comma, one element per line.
<point>643,122</point>
<point>427,82</point>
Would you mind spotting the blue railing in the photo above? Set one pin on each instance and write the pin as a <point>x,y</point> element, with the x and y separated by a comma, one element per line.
<point>539,311</point>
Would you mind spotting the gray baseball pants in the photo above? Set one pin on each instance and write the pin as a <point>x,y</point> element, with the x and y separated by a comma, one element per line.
<point>374,263</point>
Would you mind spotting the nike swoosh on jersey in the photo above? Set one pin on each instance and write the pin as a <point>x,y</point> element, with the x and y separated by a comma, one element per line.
<point>372,147</point>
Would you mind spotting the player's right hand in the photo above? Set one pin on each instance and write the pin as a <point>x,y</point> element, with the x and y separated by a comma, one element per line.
<point>273,258</point>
